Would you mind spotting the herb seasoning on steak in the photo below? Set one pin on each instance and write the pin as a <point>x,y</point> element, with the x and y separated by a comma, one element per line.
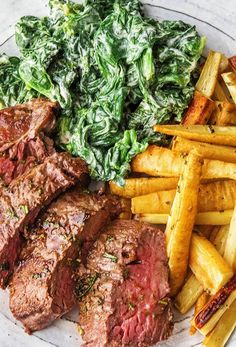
<point>43,285</point>
<point>129,304</point>
<point>21,202</point>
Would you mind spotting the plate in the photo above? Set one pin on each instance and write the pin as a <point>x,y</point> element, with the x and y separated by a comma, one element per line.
<point>215,20</point>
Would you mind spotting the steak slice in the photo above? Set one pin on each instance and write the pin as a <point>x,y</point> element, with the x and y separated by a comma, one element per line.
<point>26,120</point>
<point>22,140</point>
<point>129,304</point>
<point>21,202</point>
<point>42,287</point>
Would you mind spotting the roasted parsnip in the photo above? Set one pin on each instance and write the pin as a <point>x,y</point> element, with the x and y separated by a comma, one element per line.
<point>219,93</point>
<point>141,186</point>
<point>208,265</point>
<point>206,150</point>
<point>189,294</point>
<point>230,81</point>
<point>223,329</point>
<point>230,244</point>
<point>203,218</point>
<point>181,221</point>
<point>224,114</point>
<point>199,110</point>
<point>219,135</point>
<point>200,303</point>
<point>208,78</point>
<point>215,196</point>
<point>159,161</point>
<point>207,318</point>
<point>219,238</point>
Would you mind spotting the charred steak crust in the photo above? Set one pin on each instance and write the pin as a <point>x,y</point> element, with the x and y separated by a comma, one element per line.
<point>129,303</point>
<point>21,202</point>
<point>23,143</point>
<point>42,287</point>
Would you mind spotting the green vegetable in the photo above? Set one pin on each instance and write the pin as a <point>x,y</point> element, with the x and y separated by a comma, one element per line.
<point>12,89</point>
<point>115,73</point>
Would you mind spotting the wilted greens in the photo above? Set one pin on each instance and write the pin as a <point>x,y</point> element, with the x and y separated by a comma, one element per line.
<point>114,72</point>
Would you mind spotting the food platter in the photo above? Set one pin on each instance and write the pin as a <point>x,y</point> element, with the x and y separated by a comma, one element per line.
<point>220,32</point>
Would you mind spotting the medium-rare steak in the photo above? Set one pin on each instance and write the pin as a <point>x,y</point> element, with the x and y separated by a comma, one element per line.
<point>21,202</point>
<point>129,303</point>
<point>22,140</point>
<point>42,287</point>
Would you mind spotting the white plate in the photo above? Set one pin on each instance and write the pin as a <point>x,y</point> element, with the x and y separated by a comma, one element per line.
<point>216,20</point>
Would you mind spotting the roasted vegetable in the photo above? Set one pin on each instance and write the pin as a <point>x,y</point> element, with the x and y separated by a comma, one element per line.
<point>190,292</point>
<point>208,78</point>
<point>219,336</point>
<point>159,161</point>
<point>202,218</point>
<point>214,196</point>
<point>208,317</point>
<point>219,135</point>
<point>230,243</point>
<point>206,150</point>
<point>141,186</point>
<point>208,265</point>
<point>181,221</point>
<point>115,73</point>
<point>230,81</point>
<point>199,110</point>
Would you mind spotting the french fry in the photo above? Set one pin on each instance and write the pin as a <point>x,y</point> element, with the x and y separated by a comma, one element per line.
<point>206,150</point>
<point>207,318</point>
<point>181,221</point>
<point>232,62</point>
<point>207,80</point>
<point>223,329</point>
<point>200,303</point>
<point>204,133</point>
<point>218,239</point>
<point>203,218</point>
<point>188,295</point>
<point>224,114</point>
<point>141,186</point>
<point>215,196</point>
<point>219,93</point>
<point>230,81</point>
<point>208,265</point>
<point>159,161</point>
<point>199,110</point>
<point>230,244</point>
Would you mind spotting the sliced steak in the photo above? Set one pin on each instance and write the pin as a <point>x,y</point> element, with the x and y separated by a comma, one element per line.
<point>23,143</point>
<point>129,304</point>
<point>26,120</point>
<point>21,202</point>
<point>42,287</point>
<point>23,156</point>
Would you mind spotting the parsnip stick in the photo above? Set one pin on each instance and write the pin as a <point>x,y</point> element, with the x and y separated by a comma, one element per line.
<point>181,221</point>
<point>219,239</point>
<point>230,245</point>
<point>219,135</point>
<point>208,265</point>
<point>230,81</point>
<point>206,150</point>
<point>200,303</point>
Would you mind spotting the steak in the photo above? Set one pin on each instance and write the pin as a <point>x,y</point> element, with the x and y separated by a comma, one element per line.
<point>43,285</point>
<point>129,304</point>
<point>22,201</point>
<point>23,143</point>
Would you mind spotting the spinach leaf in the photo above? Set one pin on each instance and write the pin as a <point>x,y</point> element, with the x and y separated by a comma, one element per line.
<point>12,89</point>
